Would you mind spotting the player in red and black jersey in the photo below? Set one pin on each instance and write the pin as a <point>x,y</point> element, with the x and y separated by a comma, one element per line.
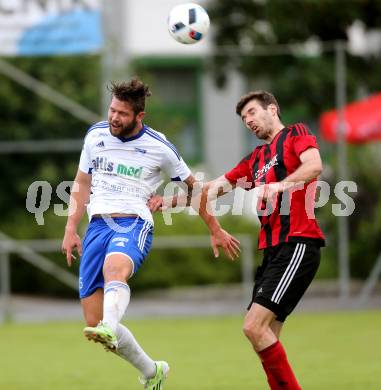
<point>284,169</point>
<point>289,216</point>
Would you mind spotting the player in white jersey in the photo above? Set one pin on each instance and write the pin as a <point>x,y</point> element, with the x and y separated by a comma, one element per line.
<point>119,171</point>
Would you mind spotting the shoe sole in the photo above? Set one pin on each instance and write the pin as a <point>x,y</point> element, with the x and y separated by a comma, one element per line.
<point>104,340</point>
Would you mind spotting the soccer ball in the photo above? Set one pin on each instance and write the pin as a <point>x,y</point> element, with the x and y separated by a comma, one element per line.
<point>188,23</point>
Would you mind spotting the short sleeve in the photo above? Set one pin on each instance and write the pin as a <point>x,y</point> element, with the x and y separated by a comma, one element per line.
<point>85,164</point>
<point>241,174</point>
<point>302,139</point>
<point>175,167</point>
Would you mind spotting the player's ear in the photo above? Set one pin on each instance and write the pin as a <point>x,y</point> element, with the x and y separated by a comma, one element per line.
<point>273,109</point>
<point>140,116</point>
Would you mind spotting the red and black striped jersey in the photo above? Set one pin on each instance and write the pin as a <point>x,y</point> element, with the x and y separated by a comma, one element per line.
<point>290,217</point>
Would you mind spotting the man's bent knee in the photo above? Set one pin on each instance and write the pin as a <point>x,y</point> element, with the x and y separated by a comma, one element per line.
<point>117,267</point>
<point>253,330</point>
<point>257,327</point>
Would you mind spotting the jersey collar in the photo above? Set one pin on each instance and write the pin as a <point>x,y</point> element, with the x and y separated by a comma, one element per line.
<point>277,135</point>
<point>136,136</point>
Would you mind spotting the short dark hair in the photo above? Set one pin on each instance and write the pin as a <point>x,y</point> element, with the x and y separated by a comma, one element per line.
<point>134,92</point>
<point>264,98</point>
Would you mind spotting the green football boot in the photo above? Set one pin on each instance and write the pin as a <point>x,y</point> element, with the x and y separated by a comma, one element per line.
<point>102,334</point>
<point>156,383</point>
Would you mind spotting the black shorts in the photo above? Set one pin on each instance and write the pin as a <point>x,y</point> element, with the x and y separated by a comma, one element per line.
<point>285,274</point>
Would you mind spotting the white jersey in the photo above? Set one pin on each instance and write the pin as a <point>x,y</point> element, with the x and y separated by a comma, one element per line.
<point>127,171</point>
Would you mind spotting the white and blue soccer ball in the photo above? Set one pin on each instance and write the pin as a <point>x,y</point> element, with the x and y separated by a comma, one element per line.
<point>188,23</point>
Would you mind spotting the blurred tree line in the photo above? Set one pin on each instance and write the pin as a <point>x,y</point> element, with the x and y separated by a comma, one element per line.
<point>304,84</point>
<point>26,116</point>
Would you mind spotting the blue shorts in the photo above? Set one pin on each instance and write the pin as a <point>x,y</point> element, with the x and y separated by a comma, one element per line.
<point>131,236</point>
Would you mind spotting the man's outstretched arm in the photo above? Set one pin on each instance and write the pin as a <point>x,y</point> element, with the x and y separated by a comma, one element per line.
<point>310,168</point>
<point>197,197</point>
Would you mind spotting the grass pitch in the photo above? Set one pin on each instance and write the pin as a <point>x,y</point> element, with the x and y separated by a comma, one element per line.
<point>332,351</point>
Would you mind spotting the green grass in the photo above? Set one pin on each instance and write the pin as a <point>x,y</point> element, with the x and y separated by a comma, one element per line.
<point>334,351</point>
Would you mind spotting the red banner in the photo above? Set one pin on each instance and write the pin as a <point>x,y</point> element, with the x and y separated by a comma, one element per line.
<point>362,121</point>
